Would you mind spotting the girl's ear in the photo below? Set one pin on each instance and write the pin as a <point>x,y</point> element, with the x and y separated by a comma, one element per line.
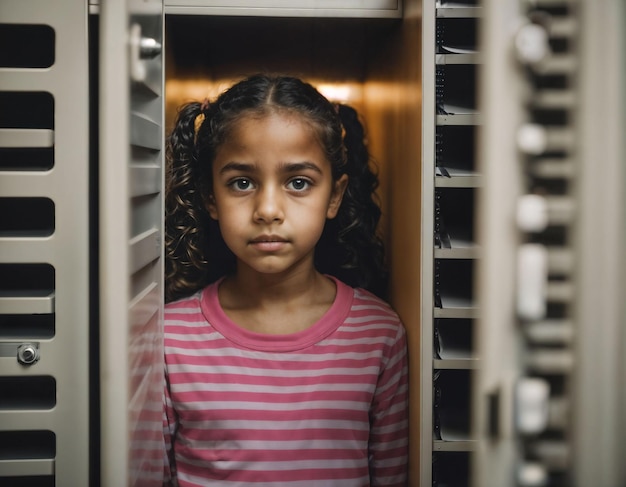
<point>211,207</point>
<point>339,188</point>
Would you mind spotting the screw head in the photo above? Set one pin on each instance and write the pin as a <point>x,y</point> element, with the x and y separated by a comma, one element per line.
<point>27,354</point>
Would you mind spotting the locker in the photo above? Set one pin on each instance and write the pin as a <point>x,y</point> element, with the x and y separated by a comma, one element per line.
<point>81,271</point>
<point>45,333</point>
<point>130,185</point>
<point>551,323</point>
<point>87,92</point>
<point>451,60</point>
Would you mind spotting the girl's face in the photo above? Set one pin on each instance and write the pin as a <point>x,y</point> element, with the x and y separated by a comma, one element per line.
<point>272,193</point>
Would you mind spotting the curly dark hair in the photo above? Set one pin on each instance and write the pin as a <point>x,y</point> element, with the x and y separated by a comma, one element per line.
<point>196,255</point>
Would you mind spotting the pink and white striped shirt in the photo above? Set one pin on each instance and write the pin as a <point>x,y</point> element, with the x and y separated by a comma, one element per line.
<point>323,407</point>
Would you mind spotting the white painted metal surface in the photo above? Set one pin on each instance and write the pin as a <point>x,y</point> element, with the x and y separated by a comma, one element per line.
<point>131,226</point>
<point>44,272</point>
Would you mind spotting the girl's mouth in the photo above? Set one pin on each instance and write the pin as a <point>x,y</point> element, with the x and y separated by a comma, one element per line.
<point>269,243</point>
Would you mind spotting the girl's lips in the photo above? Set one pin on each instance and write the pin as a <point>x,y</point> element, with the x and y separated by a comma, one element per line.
<point>269,243</point>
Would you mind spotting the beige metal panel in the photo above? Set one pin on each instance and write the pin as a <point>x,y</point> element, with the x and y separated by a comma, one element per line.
<point>427,250</point>
<point>131,223</point>
<point>26,138</point>
<point>27,304</point>
<point>114,258</point>
<point>288,8</point>
<point>26,468</point>
<point>65,356</point>
<point>599,399</point>
<point>496,336</point>
<point>578,346</point>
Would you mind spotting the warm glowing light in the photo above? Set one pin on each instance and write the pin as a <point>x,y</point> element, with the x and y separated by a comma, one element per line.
<point>340,93</point>
<point>179,91</point>
<point>195,89</point>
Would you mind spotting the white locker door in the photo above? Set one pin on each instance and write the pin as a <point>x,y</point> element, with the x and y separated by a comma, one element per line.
<point>599,395</point>
<point>549,395</point>
<point>497,333</point>
<point>44,244</point>
<point>131,226</point>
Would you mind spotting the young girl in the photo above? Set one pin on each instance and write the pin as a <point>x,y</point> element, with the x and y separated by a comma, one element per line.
<point>282,366</point>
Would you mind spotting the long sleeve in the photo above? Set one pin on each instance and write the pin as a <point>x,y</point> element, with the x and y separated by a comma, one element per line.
<point>388,446</point>
<point>169,430</point>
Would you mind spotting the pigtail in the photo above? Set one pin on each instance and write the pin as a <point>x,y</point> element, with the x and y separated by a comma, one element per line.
<point>362,260</point>
<point>185,264</point>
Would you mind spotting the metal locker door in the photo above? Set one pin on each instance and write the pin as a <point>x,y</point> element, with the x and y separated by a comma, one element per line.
<point>549,396</point>
<point>599,396</point>
<point>44,244</point>
<point>131,225</point>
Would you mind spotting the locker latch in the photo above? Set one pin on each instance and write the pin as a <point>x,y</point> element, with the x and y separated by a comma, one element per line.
<point>141,48</point>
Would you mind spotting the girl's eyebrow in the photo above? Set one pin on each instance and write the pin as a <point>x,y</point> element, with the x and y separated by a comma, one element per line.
<point>292,167</point>
<point>237,166</point>
<point>289,167</point>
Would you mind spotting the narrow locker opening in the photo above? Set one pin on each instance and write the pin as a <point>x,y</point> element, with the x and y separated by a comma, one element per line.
<point>18,280</point>
<point>32,392</point>
<point>29,444</point>
<point>453,338</point>
<point>33,481</point>
<point>456,35</point>
<point>94,251</point>
<point>456,90</point>
<point>31,46</point>
<point>454,283</point>
<point>26,109</point>
<point>451,469</point>
<point>26,217</point>
<point>546,81</point>
<point>455,150</point>
<point>26,159</point>
<point>30,326</point>
<point>28,294</point>
<point>454,208</point>
<point>451,404</point>
<point>31,116</point>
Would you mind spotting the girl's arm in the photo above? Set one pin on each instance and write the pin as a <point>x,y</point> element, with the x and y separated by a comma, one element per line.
<point>388,444</point>
<point>169,431</point>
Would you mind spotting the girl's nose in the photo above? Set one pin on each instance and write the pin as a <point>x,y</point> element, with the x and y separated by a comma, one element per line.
<point>269,205</point>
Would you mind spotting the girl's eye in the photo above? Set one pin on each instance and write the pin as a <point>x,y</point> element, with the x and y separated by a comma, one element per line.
<point>299,184</point>
<point>241,184</point>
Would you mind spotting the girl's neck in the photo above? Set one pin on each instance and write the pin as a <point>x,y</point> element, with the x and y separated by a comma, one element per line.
<point>276,304</point>
<point>257,289</point>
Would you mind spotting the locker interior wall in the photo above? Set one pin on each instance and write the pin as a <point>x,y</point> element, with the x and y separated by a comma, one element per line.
<point>377,63</point>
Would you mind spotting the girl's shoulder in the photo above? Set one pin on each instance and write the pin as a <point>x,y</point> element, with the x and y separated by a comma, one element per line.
<point>369,308</point>
<point>377,322</point>
<point>368,300</point>
<point>183,309</point>
<point>184,301</point>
